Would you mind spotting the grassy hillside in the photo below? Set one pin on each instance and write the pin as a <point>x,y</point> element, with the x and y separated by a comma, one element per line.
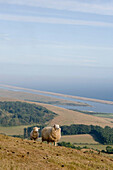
<point>22,113</point>
<point>68,117</point>
<point>17,154</point>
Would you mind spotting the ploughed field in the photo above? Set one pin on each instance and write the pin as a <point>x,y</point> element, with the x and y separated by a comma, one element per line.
<point>17,153</point>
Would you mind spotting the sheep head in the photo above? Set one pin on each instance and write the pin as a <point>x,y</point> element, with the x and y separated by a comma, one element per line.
<point>56,126</point>
<point>36,129</point>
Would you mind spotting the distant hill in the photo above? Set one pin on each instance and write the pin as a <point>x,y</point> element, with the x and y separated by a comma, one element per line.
<point>17,153</point>
<point>22,113</point>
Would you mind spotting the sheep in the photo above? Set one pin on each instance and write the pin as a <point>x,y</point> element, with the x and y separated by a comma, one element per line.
<point>51,134</point>
<point>34,133</point>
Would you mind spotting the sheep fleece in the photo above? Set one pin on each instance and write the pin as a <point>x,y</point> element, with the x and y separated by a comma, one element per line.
<point>50,134</point>
<point>34,135</point>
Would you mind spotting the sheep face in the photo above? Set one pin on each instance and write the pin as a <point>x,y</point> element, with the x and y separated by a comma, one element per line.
<point>36,129</point>
<point>56,127</point>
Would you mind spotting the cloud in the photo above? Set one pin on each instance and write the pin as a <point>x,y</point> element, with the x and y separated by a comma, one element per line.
<point>50,20</point>
<point>96,7</point>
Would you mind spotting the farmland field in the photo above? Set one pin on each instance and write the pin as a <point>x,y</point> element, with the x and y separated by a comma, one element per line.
<point>94,146</point>
<point>14,130</point>
<point>85,140</point>
<point>81,139</point>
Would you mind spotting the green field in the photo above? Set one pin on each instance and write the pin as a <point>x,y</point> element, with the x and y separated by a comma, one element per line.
<point>14,130</point>
<point>84,140</point>
<point>105,115</point>
<point>97,114</point>
<point>94,146</point>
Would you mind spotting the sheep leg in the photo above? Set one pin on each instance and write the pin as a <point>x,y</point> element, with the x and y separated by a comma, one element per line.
<point>55,143</point>
<point>42,141</point>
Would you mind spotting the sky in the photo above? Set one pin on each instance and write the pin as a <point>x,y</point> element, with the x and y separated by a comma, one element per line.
<point>56,41</point>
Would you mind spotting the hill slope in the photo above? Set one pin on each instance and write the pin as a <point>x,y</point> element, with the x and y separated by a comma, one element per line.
<point>22,113</point>
<point>16,153</point>
<point>68,117</point>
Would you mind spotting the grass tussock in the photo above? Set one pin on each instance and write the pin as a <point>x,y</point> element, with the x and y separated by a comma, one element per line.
<point>19,154</point>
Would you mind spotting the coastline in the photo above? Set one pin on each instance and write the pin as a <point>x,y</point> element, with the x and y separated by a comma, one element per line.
<point>58,94</point>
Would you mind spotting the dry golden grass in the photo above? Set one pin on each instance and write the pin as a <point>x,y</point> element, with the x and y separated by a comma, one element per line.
<point>21,154</point>
<point>86,138</point>
<point>68,117</point>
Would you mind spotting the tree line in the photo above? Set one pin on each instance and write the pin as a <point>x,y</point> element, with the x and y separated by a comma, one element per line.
<point>104,135</point>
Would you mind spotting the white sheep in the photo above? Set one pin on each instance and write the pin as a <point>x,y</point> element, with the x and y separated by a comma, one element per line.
<point>34,133</point>
<point>51,134</point>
